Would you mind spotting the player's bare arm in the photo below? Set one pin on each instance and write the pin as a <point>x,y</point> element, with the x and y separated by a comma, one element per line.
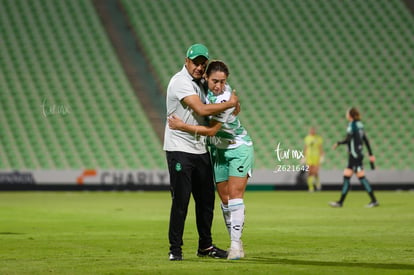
<point>176,123</point>
<point>194,102</point>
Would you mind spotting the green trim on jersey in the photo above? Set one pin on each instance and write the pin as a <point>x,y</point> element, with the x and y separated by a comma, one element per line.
<point>231,134</point>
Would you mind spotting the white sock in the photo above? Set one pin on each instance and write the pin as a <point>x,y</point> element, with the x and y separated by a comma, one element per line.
<point>236,207</point>
<point>226,216</point>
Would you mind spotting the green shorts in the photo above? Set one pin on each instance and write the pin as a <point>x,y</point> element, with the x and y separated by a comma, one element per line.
<point>236,162</point>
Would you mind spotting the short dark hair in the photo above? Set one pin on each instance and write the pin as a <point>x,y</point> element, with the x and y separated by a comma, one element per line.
<point>354,113</point>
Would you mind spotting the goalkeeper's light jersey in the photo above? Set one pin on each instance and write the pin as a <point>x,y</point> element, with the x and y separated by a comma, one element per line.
<point>313,146</point>
<point>232,134</point>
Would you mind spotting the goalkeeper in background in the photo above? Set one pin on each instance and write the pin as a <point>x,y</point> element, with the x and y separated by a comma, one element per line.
<point>313,157</point>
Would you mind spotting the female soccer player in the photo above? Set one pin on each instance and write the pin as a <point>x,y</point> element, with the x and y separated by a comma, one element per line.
<point>355,138</point>
<point>232,154</point>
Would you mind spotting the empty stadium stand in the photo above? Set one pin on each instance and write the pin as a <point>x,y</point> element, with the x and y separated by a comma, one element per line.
<point>297,64</point>
<point>66,102</point>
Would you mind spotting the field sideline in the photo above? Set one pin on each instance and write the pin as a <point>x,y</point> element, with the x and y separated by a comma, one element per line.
<point>126,233</point>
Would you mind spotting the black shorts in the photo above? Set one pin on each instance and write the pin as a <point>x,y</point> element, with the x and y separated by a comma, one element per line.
<point>355,163</point>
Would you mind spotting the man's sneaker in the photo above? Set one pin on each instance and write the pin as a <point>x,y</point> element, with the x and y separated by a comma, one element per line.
<point>234,254</point>
<point>335,204</point>
<point>372,204</point>
<point>175,257</point>
<point>213,252</point>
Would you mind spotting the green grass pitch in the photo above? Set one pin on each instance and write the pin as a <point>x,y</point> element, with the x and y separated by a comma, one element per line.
<point>126,233</point>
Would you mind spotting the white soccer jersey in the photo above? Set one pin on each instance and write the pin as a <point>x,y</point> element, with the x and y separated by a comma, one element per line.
<point>180,86</point>
<point>232,134</point>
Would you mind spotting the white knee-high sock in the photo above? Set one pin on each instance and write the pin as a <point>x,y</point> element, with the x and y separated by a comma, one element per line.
<point>236,207</point>
<point>226,216</point>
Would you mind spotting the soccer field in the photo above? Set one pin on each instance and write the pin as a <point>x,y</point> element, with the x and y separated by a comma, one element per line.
<point>126,233</point>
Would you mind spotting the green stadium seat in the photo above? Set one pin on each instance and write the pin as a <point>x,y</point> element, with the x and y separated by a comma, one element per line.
<point>298,68</point>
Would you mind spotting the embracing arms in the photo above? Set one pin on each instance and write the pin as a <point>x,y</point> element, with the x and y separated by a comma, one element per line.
<point>194,102</point>
<point>176,123</point>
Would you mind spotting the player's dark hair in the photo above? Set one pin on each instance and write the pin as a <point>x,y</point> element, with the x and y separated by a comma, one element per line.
<point>354,113</point>
<point>217,66</point>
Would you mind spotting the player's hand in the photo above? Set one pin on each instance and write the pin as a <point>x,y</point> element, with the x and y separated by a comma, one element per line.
<point>237,107</point>
<point>335,145</point>
<point>372,162</point>
<point>174,122</point>
<point>234,99</point>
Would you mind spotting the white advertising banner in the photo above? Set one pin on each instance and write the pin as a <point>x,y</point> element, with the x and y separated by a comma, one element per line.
<point>86,177</point>
<point>95,177</point>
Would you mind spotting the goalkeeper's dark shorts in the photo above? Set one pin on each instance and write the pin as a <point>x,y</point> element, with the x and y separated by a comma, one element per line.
<point>355,163</point>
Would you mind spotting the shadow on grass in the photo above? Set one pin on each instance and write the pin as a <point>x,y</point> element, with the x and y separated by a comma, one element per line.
<point>10,233</point>
<point>264,260</point>
<point>283,261</point>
